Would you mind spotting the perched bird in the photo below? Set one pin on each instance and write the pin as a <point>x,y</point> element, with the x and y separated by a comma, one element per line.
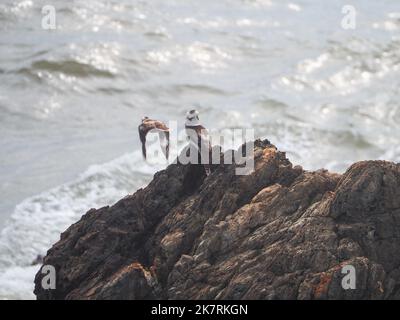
<point>198,135</point>
<point>163,131</point>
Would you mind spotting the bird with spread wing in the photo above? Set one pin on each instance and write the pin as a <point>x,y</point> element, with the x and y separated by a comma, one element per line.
<point>148,125</point>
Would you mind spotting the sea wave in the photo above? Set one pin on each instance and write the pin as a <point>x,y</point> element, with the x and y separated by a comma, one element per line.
<point>67,67</point>
<point>38,221</point>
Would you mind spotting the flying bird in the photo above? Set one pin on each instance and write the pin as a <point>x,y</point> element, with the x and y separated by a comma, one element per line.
<point>148,125</point>
<point>198,134</point>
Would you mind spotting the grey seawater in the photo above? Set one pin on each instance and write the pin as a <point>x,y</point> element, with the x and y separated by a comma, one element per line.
<point>71,98</point>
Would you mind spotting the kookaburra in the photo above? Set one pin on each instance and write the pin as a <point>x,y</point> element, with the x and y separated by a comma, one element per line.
<point>198,135</point>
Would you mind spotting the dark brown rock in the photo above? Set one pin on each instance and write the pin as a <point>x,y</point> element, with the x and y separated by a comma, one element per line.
<point>278,233</point>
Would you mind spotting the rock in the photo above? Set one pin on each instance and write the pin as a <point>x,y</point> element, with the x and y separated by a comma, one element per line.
<point>278,233</point>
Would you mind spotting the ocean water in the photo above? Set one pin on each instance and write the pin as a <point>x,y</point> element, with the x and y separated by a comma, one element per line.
<point>71,98</point>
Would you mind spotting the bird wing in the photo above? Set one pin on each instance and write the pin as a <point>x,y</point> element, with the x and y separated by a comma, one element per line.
<point>155,124</point>
<point>167,145</point>
<point>149,125</point>
<point>204,137</point>
<point>143,130</point>
<point>160,126</point>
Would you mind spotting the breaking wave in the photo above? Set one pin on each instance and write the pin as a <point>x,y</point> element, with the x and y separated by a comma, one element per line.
<point>37,222</point>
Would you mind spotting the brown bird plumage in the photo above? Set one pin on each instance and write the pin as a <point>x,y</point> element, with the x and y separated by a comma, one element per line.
<point>163,131</point>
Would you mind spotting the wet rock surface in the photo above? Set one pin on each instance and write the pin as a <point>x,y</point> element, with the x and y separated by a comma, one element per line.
<point>278,233</point>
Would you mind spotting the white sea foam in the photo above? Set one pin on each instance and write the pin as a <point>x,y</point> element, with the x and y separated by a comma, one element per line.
<point>16,282</point>
<point>38,221</point>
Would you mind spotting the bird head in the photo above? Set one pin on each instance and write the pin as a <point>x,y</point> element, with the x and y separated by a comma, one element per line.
<point>192,118</point>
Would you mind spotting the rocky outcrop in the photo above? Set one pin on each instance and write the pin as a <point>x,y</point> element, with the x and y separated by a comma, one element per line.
<point>278,233</point>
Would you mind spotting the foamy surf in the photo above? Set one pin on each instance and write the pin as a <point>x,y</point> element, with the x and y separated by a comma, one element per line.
<point>37,222</point>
